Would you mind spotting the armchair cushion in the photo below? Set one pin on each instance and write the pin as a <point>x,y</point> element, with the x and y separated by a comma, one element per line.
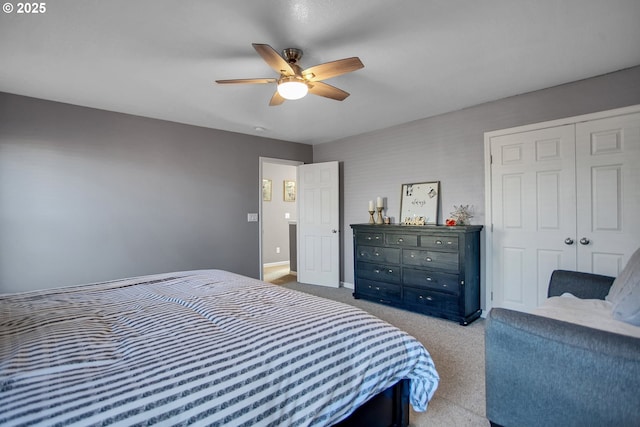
<point>625,292</point>
<point>629,274</point>
<point>581,285</point>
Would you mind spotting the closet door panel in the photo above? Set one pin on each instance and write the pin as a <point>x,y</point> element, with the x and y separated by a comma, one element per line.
<point>608,193</point>
<point>533,193</point>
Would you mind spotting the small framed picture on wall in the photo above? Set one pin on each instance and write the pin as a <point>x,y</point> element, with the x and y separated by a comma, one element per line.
<point>266,190</point>
<point>289,191</point>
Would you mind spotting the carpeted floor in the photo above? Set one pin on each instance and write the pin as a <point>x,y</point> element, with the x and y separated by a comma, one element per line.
<point>458,353</point>
<point>278,274</point>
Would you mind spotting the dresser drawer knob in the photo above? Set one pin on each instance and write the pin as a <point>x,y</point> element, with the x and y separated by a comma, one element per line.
<point>427,298</point>
<point>368,237</point>
<point>361,253</point>
<point>438,242</point>
<point>400,240</point>
<point>449,243</point>
<point>376,271</point>
<point>377,254</point>
<point>429,279</point>
<point>413,255</point>
<point>390,271</point>
<point>377,237</point>
<point>428,259</point>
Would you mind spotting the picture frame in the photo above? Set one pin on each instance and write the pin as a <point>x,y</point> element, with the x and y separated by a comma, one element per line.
<point>420,203</point>
<point>289,191</point>
<point>266,190</point>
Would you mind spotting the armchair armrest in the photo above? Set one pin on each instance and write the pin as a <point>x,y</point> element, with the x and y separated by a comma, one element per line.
<point>545,372</point>
<point>582,285</point>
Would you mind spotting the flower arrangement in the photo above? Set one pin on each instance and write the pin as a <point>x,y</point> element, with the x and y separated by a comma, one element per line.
<point>460,215</point>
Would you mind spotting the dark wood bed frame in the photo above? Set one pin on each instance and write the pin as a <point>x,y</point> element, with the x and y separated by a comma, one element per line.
<point>389,408</point>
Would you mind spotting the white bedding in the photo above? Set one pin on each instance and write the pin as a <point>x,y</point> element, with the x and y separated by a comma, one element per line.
<point>593,313</point>
<point>206,347</point>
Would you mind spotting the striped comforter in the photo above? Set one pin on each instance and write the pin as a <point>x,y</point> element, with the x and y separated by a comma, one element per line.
<point>203,347</point>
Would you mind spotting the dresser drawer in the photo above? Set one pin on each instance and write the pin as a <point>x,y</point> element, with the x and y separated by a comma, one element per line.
<point>365,238</point>
<point>410,240</point>
<point>378,272</point>
<point>431,259</point>
<point>433,300</point>
<point>385,292</point>
<point>439,242</point>
<point>378,254</point>
<point>431,280</point>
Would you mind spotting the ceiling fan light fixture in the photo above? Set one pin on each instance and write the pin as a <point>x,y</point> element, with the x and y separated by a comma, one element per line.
<point>292,88</point>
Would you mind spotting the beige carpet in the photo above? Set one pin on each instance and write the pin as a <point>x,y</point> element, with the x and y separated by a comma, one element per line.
<point>278,274</point>
<point>458,353</point>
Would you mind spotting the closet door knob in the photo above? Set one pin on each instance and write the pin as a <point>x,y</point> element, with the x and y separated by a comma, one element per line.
<point>568,241</point>
<point>584,241</point>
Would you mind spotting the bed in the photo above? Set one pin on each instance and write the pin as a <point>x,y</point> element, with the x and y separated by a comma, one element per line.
<point>204,347</point>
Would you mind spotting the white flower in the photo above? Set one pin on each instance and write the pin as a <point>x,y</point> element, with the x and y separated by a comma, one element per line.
<point>462,213</point>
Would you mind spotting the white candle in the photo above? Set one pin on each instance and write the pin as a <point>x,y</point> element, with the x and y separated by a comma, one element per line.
<point>379,202</point>
<point>371,205</point>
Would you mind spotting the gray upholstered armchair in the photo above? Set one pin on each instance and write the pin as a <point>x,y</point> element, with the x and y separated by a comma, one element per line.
<point>545,372</point>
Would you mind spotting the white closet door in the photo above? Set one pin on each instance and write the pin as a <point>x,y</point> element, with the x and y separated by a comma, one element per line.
<point>608,193</point>
<point>533,213</point>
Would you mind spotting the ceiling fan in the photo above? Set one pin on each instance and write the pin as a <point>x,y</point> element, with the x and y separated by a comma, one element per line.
<point>294,82</point>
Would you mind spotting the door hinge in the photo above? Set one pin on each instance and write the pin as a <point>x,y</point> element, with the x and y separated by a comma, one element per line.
<point>491,295</point>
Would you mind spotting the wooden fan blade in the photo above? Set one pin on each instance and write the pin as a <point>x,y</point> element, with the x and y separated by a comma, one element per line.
<point>328,91</point>
<point>276,99</point>
<point>332,69</point>
<point>273,59</point>
<point>246,81</point>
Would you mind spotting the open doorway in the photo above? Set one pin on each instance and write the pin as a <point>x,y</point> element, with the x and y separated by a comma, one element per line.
<point>278,220</point>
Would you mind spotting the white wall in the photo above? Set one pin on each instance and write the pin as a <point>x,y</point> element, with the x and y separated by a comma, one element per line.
<point>449,148</point>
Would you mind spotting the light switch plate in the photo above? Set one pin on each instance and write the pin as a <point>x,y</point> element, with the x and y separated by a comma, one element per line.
<point>252,217</point>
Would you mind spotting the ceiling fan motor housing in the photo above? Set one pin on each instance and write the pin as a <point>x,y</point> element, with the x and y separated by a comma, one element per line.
<point>292,55</point>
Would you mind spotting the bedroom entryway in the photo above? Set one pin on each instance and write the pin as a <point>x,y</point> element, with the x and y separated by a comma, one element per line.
<point>309,244</point>
<point>278,219</point>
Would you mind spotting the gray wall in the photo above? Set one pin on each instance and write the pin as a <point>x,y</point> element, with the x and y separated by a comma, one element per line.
<point>450,148</point>
<point>275,225</point>
<point>89,195</point>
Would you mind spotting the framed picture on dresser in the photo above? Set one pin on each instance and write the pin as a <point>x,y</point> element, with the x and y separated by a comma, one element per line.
<point>419,203</point>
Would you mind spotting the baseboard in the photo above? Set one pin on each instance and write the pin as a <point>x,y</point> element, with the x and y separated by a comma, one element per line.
<point>274,264</point>
<point>347,285</point>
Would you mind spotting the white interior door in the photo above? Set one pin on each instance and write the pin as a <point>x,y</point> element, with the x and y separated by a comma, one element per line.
<point>533,213</point>
<point>319,224</point>
<point>608,193</point>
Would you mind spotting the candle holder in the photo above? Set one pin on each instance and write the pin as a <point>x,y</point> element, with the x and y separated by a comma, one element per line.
<point>379,220</point>
<point>371,221</point>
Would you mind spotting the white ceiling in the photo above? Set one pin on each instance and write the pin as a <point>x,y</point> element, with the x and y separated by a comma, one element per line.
<point>159,58</point>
